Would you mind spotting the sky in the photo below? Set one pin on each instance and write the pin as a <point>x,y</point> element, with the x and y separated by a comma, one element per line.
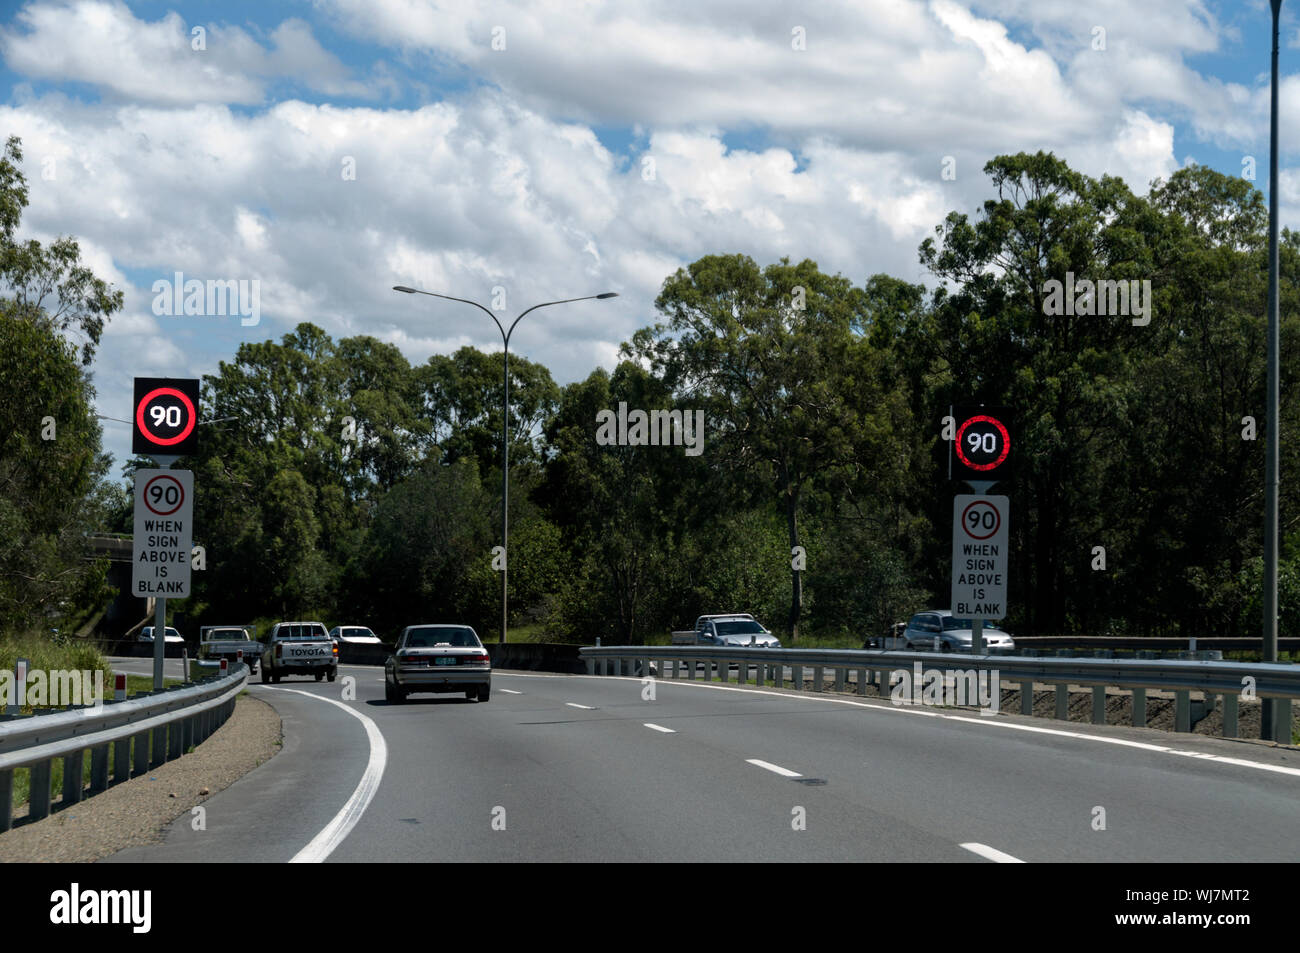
<point>512,153</point>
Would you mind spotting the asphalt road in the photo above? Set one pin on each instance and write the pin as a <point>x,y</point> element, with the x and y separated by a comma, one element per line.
<point>574,768</point>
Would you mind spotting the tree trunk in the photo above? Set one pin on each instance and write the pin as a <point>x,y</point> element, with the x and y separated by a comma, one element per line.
<point>796,578</point>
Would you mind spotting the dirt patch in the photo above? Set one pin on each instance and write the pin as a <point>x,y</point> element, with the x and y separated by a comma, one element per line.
<point>134,813</point>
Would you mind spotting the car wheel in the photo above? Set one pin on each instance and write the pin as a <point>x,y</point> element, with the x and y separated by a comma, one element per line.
<point>392,694</point>
<point>331,675</point>
<point>265,677</point>
<point>909,647</point>
<point>945,647</point>
<point>472,694</point>
<point>275,679</point>
<point>484,693</point>
<point>319,676</point>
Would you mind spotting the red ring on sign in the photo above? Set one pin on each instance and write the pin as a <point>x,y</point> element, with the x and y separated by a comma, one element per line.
<point>996,513</point>
<point>165,441</point>
<point>1006,442</point>
<point>180,487</point>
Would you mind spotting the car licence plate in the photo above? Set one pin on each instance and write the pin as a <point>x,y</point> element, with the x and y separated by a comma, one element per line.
<point>445,660</point>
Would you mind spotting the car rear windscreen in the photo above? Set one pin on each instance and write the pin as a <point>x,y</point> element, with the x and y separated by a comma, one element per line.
<point>305,631</point>
<point>428,638</point>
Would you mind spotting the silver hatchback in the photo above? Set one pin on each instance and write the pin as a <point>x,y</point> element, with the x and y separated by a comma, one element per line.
<point>939,629</point>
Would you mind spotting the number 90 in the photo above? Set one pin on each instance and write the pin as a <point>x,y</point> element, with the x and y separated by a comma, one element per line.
<point>986,442</point>
<point>165,416</point>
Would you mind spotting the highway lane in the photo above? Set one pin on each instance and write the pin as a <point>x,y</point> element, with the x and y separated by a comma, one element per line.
<point>585,768</point>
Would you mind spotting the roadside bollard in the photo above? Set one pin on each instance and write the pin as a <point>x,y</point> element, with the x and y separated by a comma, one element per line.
<point>119,687</point>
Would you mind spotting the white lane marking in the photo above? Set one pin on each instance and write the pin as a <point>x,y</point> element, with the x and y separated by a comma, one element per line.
<point>987,722</point>
<point>511,691</point>
<point>667,731</point>
<point>775,768</point>
<point>576,705</point>
<point>991,853</point>
<point>324,843</point>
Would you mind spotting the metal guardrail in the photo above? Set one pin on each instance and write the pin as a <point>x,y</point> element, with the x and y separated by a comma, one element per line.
<point>163,727</point>
<point>1226,680</point>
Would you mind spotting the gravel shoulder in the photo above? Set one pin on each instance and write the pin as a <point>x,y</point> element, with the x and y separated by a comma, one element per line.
<point>134,813</point>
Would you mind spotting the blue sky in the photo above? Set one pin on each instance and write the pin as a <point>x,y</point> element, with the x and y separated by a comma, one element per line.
<point>552,149</point>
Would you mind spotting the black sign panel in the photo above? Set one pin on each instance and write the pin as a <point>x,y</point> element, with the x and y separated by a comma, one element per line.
<point>981,442</point>
<point>165,417</point>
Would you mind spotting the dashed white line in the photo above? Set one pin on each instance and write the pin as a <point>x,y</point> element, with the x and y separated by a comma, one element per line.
<point>991,853</point>
<point>583,707</point>
<point>509,691</point>
<point>774,768</point>
<point>325,843</point>
<point>667,731</point>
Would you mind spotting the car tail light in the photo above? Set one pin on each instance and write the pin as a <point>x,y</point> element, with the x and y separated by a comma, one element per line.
<point>336,648</point>
<point>476,658</point>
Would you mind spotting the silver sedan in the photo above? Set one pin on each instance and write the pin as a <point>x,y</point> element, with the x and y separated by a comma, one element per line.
<point>439,659</point>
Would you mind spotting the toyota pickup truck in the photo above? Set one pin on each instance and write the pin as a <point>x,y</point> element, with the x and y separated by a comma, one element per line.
<point>736,628</point>
<point>299,648</point>
<point>227,641</point>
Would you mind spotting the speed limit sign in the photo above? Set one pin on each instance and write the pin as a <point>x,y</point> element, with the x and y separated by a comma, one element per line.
<point>165,416</point>
<point>164,533</point>
<point>981,442</point>
<point>979,556</point>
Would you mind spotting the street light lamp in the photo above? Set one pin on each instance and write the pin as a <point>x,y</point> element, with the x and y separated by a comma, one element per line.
<point>505,415</point>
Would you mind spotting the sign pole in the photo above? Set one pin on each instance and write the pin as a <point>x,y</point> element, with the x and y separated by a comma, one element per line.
<point>160,611</point>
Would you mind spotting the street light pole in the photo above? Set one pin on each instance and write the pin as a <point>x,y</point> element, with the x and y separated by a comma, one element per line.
<point>505,420</point>
<point>1271,728</point>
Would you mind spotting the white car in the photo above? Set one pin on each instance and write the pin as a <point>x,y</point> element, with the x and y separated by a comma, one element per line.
<point>952,634</point>
<point>354,635</point>
<point>170,635</point>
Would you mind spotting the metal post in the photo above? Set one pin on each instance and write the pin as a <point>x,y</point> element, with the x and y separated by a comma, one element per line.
<point>159,641</point>
<point>1099,704</point>
<point>99,769</point>
<point>141,753</point>
<point>6,800</point>
<point>1027,697</point>
<point>1182,710</point>
<point>1229,714</point>
<point>72,777</point>
<point>1139,708</point>
<point>38,797</point>
<point>505,474</point>
<point>977,637</point>
<point>1269,728</point>
<point>1063,702</point>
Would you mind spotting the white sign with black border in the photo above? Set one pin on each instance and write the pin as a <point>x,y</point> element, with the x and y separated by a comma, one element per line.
<point>164,533</point>
<point>979,556</point>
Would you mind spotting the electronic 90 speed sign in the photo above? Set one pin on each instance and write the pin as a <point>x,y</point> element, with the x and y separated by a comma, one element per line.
<point>166,416</point>
<point>981,444</point>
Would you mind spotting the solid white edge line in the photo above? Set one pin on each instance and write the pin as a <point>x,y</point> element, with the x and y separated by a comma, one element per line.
<point>991,853</point>
<point>774,768</point>
<point>988,722</point>
<point>576,705</point>
<point>325,843</point>
<point>667,731</point>
<point>510,691</point>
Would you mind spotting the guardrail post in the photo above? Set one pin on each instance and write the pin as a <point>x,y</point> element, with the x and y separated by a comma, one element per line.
<point>862,681</point>
<point>1139,708</point>
<point>1229,714</point>
<point>1027,697</point>
<point>141,754</point>
<point>121,760</point>
<point>39,796</point>
<point>724,669</point>
<point>99,769</point>
<point>819,678</point>
<point>760,671</point>
<point>742,671</point>
<point>1182,710</point>
<point>591,665</point>
<point>796,676</point>
<point>673,669</point>
<point>6,800</point>
<point>1099,704</point>
<point>174,749</point>
<point>839,678</point>
<point>158,747</point>
<point>1063,702</point>
<point>72,776</point>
